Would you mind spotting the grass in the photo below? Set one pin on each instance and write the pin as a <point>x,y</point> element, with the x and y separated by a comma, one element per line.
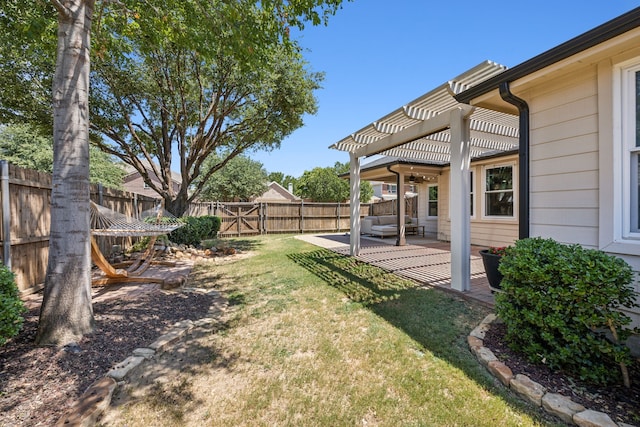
<point>318,339</point>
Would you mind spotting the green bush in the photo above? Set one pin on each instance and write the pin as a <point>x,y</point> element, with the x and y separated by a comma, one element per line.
<point>196,229</point>
<point>11,306</point>
<point>560,302</point>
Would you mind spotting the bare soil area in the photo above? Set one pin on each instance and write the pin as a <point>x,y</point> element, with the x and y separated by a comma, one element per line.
<point>620,403</point>
<point>38,384</point>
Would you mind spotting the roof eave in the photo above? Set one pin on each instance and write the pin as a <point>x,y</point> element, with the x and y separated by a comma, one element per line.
<point>600,34</point>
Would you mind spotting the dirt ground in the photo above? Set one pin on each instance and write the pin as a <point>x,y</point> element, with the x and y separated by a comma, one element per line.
<point>37,384</point>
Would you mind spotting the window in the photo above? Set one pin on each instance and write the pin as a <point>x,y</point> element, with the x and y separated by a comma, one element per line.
<point>145,185</point>
<point>631,144</point>
<point>499,191</point>
<point>392,188</point>
<point>433,201</point>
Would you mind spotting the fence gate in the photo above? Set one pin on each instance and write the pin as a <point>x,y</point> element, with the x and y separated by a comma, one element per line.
<point>239,218</point>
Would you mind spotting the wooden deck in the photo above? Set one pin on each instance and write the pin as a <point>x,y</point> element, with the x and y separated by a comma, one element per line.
<point>424,260</point>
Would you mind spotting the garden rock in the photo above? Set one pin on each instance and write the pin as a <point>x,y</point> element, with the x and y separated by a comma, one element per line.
<point>528,389</point>
<point>561,406</point>
<point>591,418</point>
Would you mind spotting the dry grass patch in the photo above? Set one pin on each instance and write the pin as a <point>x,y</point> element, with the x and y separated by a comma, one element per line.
<point>317,339</point>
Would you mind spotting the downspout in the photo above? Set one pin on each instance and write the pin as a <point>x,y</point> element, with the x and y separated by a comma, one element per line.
<point>523,158</point>
<point>398,201</point>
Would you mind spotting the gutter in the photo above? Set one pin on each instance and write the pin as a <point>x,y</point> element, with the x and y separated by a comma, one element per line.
<point>598,35</point>
<point>523,158</point>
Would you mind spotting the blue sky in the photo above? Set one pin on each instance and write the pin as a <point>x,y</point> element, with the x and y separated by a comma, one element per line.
<point>378,55</point>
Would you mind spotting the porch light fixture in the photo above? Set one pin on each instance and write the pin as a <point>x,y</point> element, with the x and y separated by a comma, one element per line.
<point>412,179</point>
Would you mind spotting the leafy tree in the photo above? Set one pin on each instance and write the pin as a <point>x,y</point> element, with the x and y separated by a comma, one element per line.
<point>325,185</point>
<point>177,33</point>
<point>241,178</point>
<point>28,148</point>
<point>322,185</point>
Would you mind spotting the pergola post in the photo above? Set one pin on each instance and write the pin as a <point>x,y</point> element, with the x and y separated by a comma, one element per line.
<point>401,240</point>
<point>354,205</point>
<point>459,201</point>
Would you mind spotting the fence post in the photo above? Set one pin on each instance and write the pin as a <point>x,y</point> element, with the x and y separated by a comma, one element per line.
<point>338,217</point>
<point>302,217</point>
<point>100,196</point>
<point>6,215</point>
<point>135,206</point>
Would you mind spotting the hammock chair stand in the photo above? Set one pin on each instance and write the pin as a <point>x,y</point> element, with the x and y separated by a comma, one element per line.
<point>105,222</point>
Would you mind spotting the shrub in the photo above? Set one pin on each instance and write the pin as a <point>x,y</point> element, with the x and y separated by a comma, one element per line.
<point>11,306</point>
<point>559,303</point>
<point>196,229</point>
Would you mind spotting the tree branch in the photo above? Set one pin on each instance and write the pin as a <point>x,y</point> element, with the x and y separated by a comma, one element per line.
<point>61,8</point>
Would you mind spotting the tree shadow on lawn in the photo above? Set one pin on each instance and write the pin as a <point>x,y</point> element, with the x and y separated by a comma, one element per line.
<point>438,321</point>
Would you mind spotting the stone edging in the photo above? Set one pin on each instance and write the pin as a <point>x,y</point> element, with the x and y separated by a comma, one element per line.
<point>97,398</point>
<point>555,404</point>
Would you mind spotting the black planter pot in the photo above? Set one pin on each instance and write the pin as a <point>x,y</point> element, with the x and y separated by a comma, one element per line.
<point>491,263</point>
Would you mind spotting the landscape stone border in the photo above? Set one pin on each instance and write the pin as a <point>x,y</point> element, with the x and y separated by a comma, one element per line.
<point>97,398</point>
<point>555,404</point>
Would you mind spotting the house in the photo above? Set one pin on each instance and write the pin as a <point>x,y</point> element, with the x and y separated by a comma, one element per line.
<point>134,183</point>
<point>572,113</point>
<point>277,193</point>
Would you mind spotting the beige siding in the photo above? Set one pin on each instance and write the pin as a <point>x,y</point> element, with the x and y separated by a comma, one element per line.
<point>484,231</point>
<point>565,161</point>
<point>564,158</point>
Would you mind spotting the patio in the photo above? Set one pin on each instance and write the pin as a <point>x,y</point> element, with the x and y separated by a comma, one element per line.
<point>425,260</point>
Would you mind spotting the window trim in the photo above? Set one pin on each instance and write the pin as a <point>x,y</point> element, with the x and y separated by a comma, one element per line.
<point>514,187</point>
<point>627,143</point>
<point>614,199</point>
<point>437,201</point>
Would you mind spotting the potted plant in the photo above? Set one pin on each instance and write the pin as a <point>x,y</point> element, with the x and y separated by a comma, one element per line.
<point>491,260</point>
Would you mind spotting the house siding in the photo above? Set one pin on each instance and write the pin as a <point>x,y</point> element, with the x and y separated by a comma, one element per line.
<point>134,183</point>
<point>484,231</point>
<point>567,163</point>
<point>564,167</point>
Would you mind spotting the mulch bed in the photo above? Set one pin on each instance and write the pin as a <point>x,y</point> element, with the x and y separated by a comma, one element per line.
<point>620,403</point>
<point>37,384</point>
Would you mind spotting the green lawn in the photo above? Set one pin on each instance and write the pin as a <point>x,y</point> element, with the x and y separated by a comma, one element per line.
<point>318,339</point>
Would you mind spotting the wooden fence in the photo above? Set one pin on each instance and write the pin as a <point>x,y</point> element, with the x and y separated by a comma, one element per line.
<point>240,219</point>
<point>25,213</point>
<point>390,207</point>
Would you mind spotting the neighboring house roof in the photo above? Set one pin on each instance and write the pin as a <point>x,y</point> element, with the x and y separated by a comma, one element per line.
<point>130,170</point>
<point>277,193</point>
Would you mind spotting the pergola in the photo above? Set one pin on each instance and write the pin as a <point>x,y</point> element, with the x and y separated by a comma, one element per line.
<point>436,129</point>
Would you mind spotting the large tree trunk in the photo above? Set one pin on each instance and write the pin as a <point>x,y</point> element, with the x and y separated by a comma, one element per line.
<point>67,313</point>
<point>178,206</point>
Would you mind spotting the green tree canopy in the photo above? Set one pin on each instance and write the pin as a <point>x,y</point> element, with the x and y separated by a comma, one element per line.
<point>240,179</point>
<point>322,185</point>
<point>27,147</point>
<point>325,185</point>
<point>188,77</point>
